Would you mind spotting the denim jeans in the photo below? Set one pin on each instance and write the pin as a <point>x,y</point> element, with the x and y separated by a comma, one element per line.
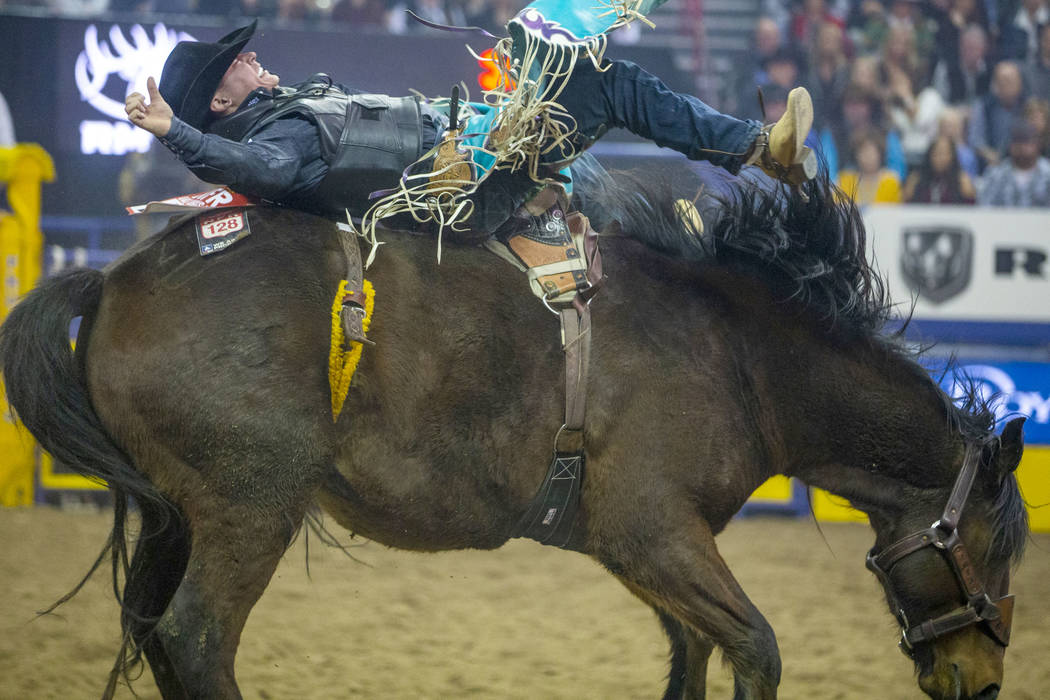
<point>627,96</point>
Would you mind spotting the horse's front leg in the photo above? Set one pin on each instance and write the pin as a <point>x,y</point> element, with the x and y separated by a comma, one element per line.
<point>672,563</point>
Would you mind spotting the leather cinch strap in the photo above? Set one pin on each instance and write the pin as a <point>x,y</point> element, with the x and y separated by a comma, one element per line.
<point>551,517</point>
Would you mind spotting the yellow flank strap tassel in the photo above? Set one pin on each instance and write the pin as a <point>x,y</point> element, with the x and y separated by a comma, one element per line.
<point>343,363</point>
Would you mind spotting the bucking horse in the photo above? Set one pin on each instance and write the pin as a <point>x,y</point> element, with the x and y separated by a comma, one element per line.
<point>199,390</point>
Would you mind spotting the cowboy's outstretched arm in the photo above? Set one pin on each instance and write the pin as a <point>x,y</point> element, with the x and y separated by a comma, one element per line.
<point>270,165</point>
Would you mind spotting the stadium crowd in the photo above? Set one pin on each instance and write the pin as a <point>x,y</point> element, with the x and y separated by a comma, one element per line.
<point>931,101</point>
<point>934,101</point>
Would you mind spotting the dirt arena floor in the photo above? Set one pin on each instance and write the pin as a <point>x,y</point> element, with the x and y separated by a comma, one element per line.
<point>523,622</point>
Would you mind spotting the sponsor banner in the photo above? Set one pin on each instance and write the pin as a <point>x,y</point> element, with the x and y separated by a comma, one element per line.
<point>965,263</point>
<point>1012,388</point>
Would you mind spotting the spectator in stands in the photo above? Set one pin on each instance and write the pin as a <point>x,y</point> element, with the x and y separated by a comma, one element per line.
<point>1023,179</point>
<point>867,24</point>
<point>915,117</point>
<point>1037,113</point>
<point>864,75</point>
<point>910,13</point>
<point>806,19</point>
<point>1038,72</point>
<point>360,13</point>
<point>782,69</point>
<point>1020,34</point>
<point>862,112</point>
<point>880,18</point>
<point>899,55</point>
<point>868,181</point>
<point>993,116</point>
<point>965,13</point>
<point>751,70</point>
<point>952,18</point>
<point>828,74</point>
<point>939,179</point>
<point>962,76</point>
<point>952,124</point>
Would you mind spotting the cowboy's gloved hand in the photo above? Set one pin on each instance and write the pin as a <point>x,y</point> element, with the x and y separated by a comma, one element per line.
<point>154,117</point>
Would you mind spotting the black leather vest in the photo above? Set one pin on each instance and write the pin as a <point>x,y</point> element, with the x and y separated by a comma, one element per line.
<point>366,140</point>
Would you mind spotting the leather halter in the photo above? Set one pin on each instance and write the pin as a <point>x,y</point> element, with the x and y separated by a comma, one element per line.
<point>943,536</point>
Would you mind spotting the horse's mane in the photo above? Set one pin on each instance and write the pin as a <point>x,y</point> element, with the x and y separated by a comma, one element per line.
<point>809,246</point>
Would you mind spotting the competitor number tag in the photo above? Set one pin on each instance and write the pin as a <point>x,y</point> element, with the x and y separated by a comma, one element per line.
<point>220,230</point>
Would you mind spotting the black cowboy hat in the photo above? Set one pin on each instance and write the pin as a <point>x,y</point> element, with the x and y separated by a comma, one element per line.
<point>194,70</point>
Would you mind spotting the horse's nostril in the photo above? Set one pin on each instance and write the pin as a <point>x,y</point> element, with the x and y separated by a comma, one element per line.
<point>990,692</point>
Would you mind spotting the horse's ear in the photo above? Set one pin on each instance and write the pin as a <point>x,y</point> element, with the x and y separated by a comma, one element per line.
<point>1011,445</point>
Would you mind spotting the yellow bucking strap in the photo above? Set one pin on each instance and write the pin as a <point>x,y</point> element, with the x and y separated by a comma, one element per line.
<point>342,363</point>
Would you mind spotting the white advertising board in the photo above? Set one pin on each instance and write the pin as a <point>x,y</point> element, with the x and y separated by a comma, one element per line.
<point>964,263</point>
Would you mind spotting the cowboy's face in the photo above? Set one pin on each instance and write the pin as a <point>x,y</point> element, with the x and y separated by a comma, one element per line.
<point>244,76</point>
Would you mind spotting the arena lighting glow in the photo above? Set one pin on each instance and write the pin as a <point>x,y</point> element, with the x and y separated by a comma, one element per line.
<point>130,62</point>
<point>1006,400</point>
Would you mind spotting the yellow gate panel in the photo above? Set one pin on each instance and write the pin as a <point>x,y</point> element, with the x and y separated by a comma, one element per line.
<point>16,460</point>
<point>1034,477</point>
<point>23,168</point>
<point>64,481</point>
<point>776,489</point>
<point>831,508</point>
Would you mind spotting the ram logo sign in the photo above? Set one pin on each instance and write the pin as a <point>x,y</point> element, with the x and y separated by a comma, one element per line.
<point>937,261</point>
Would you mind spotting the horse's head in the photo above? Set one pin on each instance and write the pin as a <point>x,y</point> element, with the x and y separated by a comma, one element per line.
<point>945,568</point>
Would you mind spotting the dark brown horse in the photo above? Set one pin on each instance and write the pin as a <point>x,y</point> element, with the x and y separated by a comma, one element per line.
<point>199,388</point>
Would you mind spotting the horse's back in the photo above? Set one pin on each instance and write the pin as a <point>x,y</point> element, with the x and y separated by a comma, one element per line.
<point>194,361</point>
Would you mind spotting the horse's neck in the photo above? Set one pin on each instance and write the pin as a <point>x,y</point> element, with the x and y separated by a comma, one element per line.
<point>867,426</point>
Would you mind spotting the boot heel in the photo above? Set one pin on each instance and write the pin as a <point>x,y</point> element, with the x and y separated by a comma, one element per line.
<point>803,168</point>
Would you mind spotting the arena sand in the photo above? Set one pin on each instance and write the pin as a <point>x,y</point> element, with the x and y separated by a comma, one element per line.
<point>522,622</point>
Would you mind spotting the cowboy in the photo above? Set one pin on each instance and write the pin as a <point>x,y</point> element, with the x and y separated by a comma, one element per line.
<point>323,147</point>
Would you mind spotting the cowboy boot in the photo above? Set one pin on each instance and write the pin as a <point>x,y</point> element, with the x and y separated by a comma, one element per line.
<point>780,148</point>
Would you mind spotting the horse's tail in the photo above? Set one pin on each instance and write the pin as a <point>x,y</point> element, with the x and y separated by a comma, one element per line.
<point>46,385</point>
<point>47,389</point>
